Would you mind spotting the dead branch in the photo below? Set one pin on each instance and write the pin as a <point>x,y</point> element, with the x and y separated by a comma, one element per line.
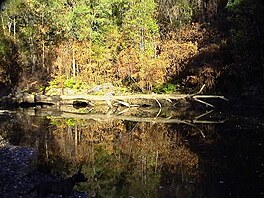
<point>206,103</point>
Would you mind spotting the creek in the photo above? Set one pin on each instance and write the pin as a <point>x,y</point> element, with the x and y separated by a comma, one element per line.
<point>184,153</point>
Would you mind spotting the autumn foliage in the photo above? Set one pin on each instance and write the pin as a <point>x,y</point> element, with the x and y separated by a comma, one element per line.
<point>140,45</point>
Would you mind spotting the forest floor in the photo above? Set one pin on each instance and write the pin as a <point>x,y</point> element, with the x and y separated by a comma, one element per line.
<point>18,174</point>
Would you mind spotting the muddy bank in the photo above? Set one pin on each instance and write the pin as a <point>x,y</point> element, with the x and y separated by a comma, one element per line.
<point>18,174</point>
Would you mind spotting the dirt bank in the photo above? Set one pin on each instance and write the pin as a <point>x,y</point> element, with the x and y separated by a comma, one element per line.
<point>18,174</point>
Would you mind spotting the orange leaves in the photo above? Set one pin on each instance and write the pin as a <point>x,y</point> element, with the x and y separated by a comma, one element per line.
<point>208,75</point>
<point>144,69</point>
<point>192,53</point>
<point>178,54</point>
<point>180,51</point>
<point>193,33</point>
<point>195,53</point>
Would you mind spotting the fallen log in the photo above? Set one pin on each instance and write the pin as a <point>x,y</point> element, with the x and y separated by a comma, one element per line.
<point>129,100</point>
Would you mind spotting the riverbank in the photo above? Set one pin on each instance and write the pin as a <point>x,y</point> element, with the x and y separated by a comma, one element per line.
<point>18,174</point>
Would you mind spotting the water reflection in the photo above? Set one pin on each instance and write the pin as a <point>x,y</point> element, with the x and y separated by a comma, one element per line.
<point>122,156</point>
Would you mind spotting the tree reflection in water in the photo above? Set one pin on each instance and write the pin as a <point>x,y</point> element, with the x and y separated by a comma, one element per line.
<point>124,158</point>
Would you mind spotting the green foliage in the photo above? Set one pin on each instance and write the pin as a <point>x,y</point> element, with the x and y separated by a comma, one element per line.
<point>233,5</point>
<point>55,122</point>
<point>74,84</point>
<point>57,82</point>
<point>70,122</point>
<point>50,32</point>
<point>165,88</point>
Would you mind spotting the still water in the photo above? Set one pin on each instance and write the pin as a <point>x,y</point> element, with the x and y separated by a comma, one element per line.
<point>145,152</point>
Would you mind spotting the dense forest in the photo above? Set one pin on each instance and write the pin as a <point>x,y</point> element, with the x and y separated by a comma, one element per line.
<point>133,47</point>
<point>139,46</point>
